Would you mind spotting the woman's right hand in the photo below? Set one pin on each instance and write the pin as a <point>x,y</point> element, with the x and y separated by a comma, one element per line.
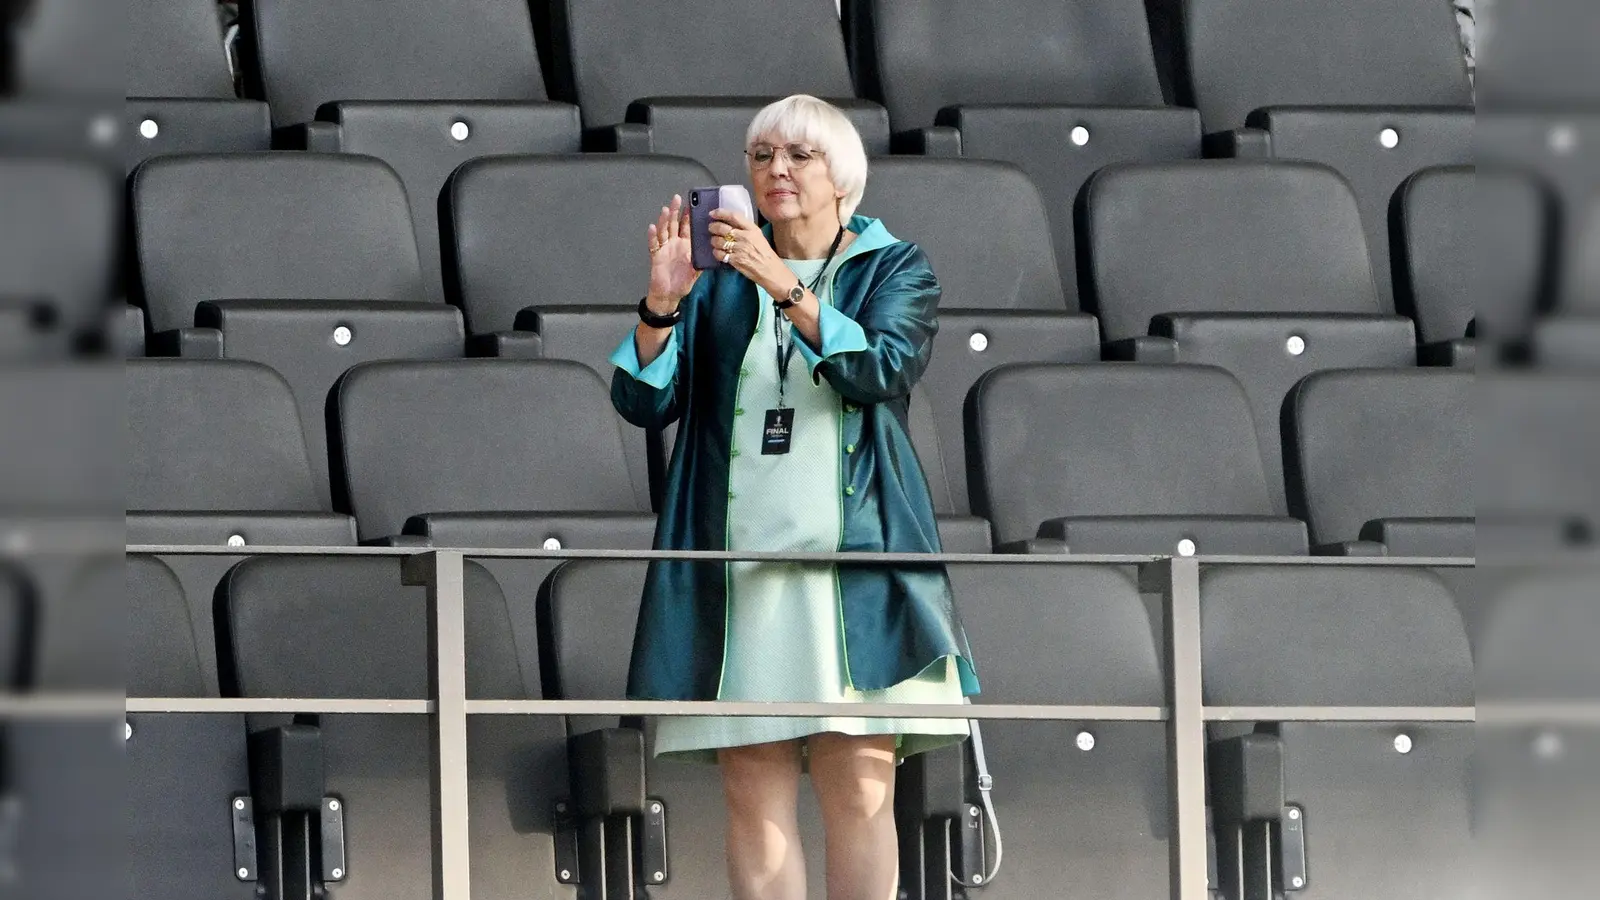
<point>672,271</point>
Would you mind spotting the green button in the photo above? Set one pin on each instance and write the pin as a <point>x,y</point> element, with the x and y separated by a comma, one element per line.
<point>850,491</point>
<point>734,452</point>
<point>849,407</point>
<point>738,412</point>
<point>730,495</point>
<point>744,373</point>
<point>849,448</point>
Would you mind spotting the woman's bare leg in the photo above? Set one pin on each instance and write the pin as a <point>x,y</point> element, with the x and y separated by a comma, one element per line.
<point>854,781</point>
<point>762,787</point>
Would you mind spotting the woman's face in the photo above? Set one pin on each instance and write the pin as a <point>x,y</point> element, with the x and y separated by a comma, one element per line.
<point>786,191</point>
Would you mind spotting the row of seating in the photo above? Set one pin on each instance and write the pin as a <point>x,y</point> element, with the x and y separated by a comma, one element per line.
<point>1384,807</point>
<point>1059,90</point>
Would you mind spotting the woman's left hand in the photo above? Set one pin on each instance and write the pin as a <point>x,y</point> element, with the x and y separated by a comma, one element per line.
<point>750,253</point>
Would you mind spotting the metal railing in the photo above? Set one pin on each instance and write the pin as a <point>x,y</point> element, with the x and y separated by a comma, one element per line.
<point>441,571</point>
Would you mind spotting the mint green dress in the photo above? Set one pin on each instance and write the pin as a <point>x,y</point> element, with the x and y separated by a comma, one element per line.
<point>785,636</point>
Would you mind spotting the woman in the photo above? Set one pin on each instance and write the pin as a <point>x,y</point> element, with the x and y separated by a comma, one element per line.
<point>807,457</point>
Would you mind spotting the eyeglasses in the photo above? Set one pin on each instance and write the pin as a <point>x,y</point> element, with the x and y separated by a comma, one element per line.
<point>762,155</point>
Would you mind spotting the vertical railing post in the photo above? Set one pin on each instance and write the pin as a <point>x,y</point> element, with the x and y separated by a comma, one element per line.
<point>1178,581</point>
<point>443,574</point>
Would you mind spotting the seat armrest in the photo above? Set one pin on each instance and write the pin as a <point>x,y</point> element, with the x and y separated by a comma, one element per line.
<point>1240,143</point>
<point>1461,353</point>
<point>506,345</point>
<point>936,783</point>
<point>286,769</point>
<point>315,137</point>
<point>1146,348</point>
<point>399,540</point>
<point>607,772</point>
<point>624,137</point>
<point>1400,536</point>
<point>1245,775</point>
<point>189,343</point>
<point>942,141</point>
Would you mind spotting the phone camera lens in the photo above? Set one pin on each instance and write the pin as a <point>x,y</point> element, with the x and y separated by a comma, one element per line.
<point>694,198</point>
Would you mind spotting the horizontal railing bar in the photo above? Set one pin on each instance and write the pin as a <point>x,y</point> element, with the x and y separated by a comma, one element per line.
<point>1583,714</point>
<point>276,705</point>
<point>59,705</point>
<point>680,708</point>
<point>1340,714</point>
<point>758,556</point>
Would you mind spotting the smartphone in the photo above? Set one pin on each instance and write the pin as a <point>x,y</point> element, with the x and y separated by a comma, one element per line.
<point>701,202</point>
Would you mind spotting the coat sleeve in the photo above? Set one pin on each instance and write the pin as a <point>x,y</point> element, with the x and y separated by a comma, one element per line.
<point>880,353</point>
<point>655,395</point>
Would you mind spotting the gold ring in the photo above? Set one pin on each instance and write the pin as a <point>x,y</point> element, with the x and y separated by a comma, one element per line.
<point>726,257</point>
<point>728,244</point>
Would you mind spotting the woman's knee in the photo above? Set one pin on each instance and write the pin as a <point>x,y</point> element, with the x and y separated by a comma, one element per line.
<point>761,781</point>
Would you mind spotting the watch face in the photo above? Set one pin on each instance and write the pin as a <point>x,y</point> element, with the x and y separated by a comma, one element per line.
<point>796,293</point>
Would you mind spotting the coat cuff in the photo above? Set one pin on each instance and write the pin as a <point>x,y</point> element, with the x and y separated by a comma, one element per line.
<point>660,371</point>
<point>840,334</point>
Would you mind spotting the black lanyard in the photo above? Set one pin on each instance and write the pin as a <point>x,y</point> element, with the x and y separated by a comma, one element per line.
<point>785,348</point>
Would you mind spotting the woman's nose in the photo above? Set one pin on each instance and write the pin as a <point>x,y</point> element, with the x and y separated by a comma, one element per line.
<point>780,164</point>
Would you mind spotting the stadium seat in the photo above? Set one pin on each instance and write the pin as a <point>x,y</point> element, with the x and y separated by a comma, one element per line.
<point>1058,89</point>
<point>348,629</point>
<point>306,262</point>
<point>958,532</point>
<point>1087,458</point>
<point>1048,635</point>
<point>1245,55</point>
<point>1258,267</point>
<point>1376,89</point>
<point>184,771</point>
<point>682,78</point>
<point>1373,809</point>
<point>216,456</point>
<point>180,90</point>
<point>1439,218</point>
<point>1380,461</point>
<point>58,249</point>
<point>515,453</point>
<point>549,232</point>
<point>1000,300</point>
<point>472,88</point>
<point>1539,429</point>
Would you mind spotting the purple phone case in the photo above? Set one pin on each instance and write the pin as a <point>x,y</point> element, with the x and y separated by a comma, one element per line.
<point>732,196</point>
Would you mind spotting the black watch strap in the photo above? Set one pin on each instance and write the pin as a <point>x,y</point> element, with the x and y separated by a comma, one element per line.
<point>795,293</point>
<point>656,320</point>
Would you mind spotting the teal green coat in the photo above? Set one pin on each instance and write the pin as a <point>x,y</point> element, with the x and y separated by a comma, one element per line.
<point>876,341</point>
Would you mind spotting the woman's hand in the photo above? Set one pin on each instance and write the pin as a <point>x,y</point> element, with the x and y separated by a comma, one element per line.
<point>672,271</point>
<point>749,252</point>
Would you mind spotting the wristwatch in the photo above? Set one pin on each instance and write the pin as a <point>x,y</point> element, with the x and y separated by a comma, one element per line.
<point>795,295</point>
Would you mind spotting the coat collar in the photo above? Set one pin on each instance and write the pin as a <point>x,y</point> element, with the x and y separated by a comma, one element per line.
<point>870,235</point>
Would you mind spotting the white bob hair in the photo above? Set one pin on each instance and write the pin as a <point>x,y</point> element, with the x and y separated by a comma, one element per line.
<point>803,118</point>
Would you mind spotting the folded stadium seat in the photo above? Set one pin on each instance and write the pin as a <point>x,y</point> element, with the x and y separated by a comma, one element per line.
<point>335,81</point>
<point>215,455</point>
<point>304,261</point>
<point>686,78</point>
<point>1258,267</point>
<point>180,90</point>
<point>58,250</point>
<point>1539,431</point>
<point>1059,89</point>
<point>1556,148</point>
<point>1379,462</point>
<point>1050,635</point>
<point>348,629</point>
<point>1000,295</point>
<point>1446,220</point>
<point>958,533</point>
<point>1571,337</point>
<point>183,771</point>
<point>494,453</point>
<point>1378,89</point>
<point>1119,458</point>
<point>1352,809</point>
<point>587,612</point>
